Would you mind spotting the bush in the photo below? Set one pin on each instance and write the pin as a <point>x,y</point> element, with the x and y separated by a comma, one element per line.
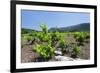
<point>28,38</point>
<point>87,35</point>
<point>75,52</point>
<point>44,28</point>
<point>80,37</point>
<point>46,51</point>
<point>55,37</point>
<point>63,45</point>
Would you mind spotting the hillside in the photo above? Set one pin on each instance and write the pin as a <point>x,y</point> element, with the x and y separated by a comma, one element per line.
<point>78,27</point>
<point>25,30</point>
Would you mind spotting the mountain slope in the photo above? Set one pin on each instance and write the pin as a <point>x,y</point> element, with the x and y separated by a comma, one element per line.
<point>25,30</point>
<point>79,27</point>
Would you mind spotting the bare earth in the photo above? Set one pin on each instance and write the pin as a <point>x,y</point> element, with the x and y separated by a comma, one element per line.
<point>27,55</point>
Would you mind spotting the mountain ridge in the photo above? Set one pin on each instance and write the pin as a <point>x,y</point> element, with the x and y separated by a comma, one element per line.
<point>78,27</point>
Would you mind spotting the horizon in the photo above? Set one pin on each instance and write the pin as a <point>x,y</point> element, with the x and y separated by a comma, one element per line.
<point>31,19</point>
<point>53,27</point>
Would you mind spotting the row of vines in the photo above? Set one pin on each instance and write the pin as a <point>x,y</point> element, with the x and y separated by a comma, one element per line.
<point>45,43</point>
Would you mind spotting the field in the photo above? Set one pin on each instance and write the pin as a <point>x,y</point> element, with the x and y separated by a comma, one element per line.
<point>42,46</point>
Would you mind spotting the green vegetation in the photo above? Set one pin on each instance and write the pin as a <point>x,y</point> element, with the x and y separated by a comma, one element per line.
<point>47,42</point>
<point>46,51</point>
<point>28,37</point>
<point>81,36</point>
<point>76,50</point>
<point>63,45</point>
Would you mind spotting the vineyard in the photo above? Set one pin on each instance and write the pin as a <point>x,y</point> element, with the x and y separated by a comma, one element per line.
<point>45,45</point>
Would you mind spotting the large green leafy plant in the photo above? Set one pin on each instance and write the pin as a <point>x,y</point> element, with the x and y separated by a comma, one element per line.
<point>46,51</point>
<point>80,37</point>
<point>44,35</point>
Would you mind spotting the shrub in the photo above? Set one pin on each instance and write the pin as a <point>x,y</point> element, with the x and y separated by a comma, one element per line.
<point>43,35</point>
<point>63,45</point>
<point>80,37</point>
<point>55,37</point>
<point>87,35</point>
<point>28,38</point>
<point>44,28</point>
<point>46,51</point>
<point>76,51</point>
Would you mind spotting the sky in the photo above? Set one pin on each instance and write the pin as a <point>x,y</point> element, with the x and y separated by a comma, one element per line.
<point>31,19</point>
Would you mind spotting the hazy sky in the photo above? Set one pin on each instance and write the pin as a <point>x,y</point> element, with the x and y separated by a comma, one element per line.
<point>32,19</point>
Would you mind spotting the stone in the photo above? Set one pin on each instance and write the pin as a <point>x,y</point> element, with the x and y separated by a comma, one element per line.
<point>64,58</point>
<point>58,52</point>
